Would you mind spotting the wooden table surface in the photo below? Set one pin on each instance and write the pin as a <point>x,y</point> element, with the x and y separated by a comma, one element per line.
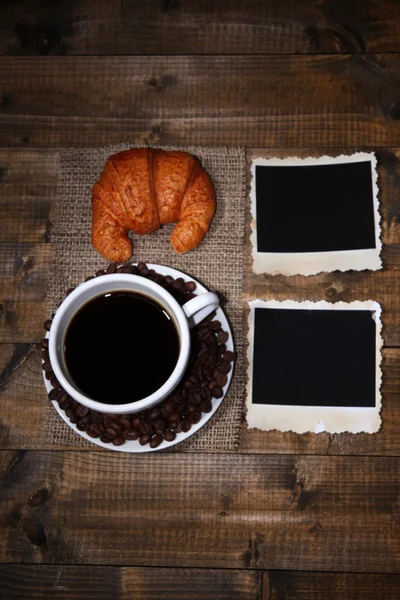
<point>285,516</point>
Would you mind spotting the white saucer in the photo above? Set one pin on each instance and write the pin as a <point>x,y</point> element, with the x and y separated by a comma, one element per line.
<point>133,445</point>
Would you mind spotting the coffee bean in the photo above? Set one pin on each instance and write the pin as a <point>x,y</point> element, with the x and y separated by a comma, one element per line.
<point>169,279</point>
<point>53,394</point>
<point>112,268</point>
<point>215,326</point>
<point>196,398</point>
<point>44,343</point>
<point>221,379</point>
<point>87,419</point>
<point>47,324</point>
<point>141,266</point>
<point>144,439</point>
<point>82,411</point>
<point>181,408</point>
<point>49,375</point>
<point>45,355</point>
<point>94,430</point>
<point>133,435</point>
<point>73,417</point>
<point>195,417</point>
<point>228,355</point>
<point>211,361</point>
<point>186,425</point>
<point>190,286</point>
<point>159,426</point>
<point>164,413</point>
<point>62,397</point>
<point>116,426</point>
<point>205,406</point>
<point>82,426</point>
<point>55,383</point>
<point>173,425</point>
<point>102,427</point>
<point>136,421</point>
<point>112,416</point>
<point>191,408</point>
<point>223,337</point>
<point>224,366</point>
<point>147,427</point>
<point>205,393</point>
<point>96,416</point>
<point>217,391</point>
<point>125,423</point>
<point>89,278</point>
<point>153,414</point>
<point>100,273</point>
<point>105,439</point>
<point>207,372</point>
<point>124,269</point>
<point>174,417</point>
<point>118,441</point>
<point>221,348</point>
<point>203,352</point>
<point>170,407</point>
<point>169,436</point>
<point>111,433</point>
<point>156,441</point>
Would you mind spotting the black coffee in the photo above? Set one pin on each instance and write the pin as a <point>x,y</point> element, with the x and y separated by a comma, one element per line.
<point>121,347</point>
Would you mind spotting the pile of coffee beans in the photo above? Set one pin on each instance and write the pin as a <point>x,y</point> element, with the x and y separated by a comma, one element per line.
<point>205,377</point>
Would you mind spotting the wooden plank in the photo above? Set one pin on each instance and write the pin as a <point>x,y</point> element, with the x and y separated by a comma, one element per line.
<point>115,583</point>
<point>284,585</point>
<point>246,100</point>
<point>22,392</point>
<point>25,271</point>
<point>52,582</point>
<point>21,321</point>
<point>197,27</point>
<point>28,182</point>
<point>271,512</point>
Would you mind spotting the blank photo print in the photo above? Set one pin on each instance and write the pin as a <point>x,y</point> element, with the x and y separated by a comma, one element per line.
<point>314,366</point>
<point>315,214</point>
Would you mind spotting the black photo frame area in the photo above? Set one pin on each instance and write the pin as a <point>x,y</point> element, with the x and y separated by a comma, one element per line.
<point>315,208</point>
<point>312,215</point>
<point>314,358</point>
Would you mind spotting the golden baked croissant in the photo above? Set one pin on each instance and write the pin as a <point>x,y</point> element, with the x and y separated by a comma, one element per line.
<point>140,190</point>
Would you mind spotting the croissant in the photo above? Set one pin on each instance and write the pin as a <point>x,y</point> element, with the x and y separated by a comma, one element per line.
<point>140,190</point>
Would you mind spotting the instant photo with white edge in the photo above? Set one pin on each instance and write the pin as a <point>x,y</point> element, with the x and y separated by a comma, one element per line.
<point>314,366</point>
<point>312,215</point>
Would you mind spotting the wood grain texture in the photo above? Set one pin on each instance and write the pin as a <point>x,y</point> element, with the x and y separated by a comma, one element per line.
<point>198,27</point>
<point>57,582</point>
<point>28,183</point>
<point>22,392</point>
<point>284,585</point>
<point>126,583</point>
<point>284,512</point>
<point>25,271</point>
<point>270,101</point>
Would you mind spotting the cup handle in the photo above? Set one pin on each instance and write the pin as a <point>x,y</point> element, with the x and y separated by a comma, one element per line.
<point>200,307</point>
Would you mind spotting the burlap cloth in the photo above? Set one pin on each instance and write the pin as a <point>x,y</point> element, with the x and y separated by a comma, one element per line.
<point>217,263</point>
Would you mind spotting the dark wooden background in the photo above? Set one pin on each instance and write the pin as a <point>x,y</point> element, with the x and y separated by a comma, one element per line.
<point>286,516</point>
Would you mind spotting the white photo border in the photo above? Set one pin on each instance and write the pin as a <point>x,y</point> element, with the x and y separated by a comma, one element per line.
<point>311,263</point>
<point>317,419</point>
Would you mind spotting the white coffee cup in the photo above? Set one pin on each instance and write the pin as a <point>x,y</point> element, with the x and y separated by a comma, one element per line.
<point>185,317</point>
